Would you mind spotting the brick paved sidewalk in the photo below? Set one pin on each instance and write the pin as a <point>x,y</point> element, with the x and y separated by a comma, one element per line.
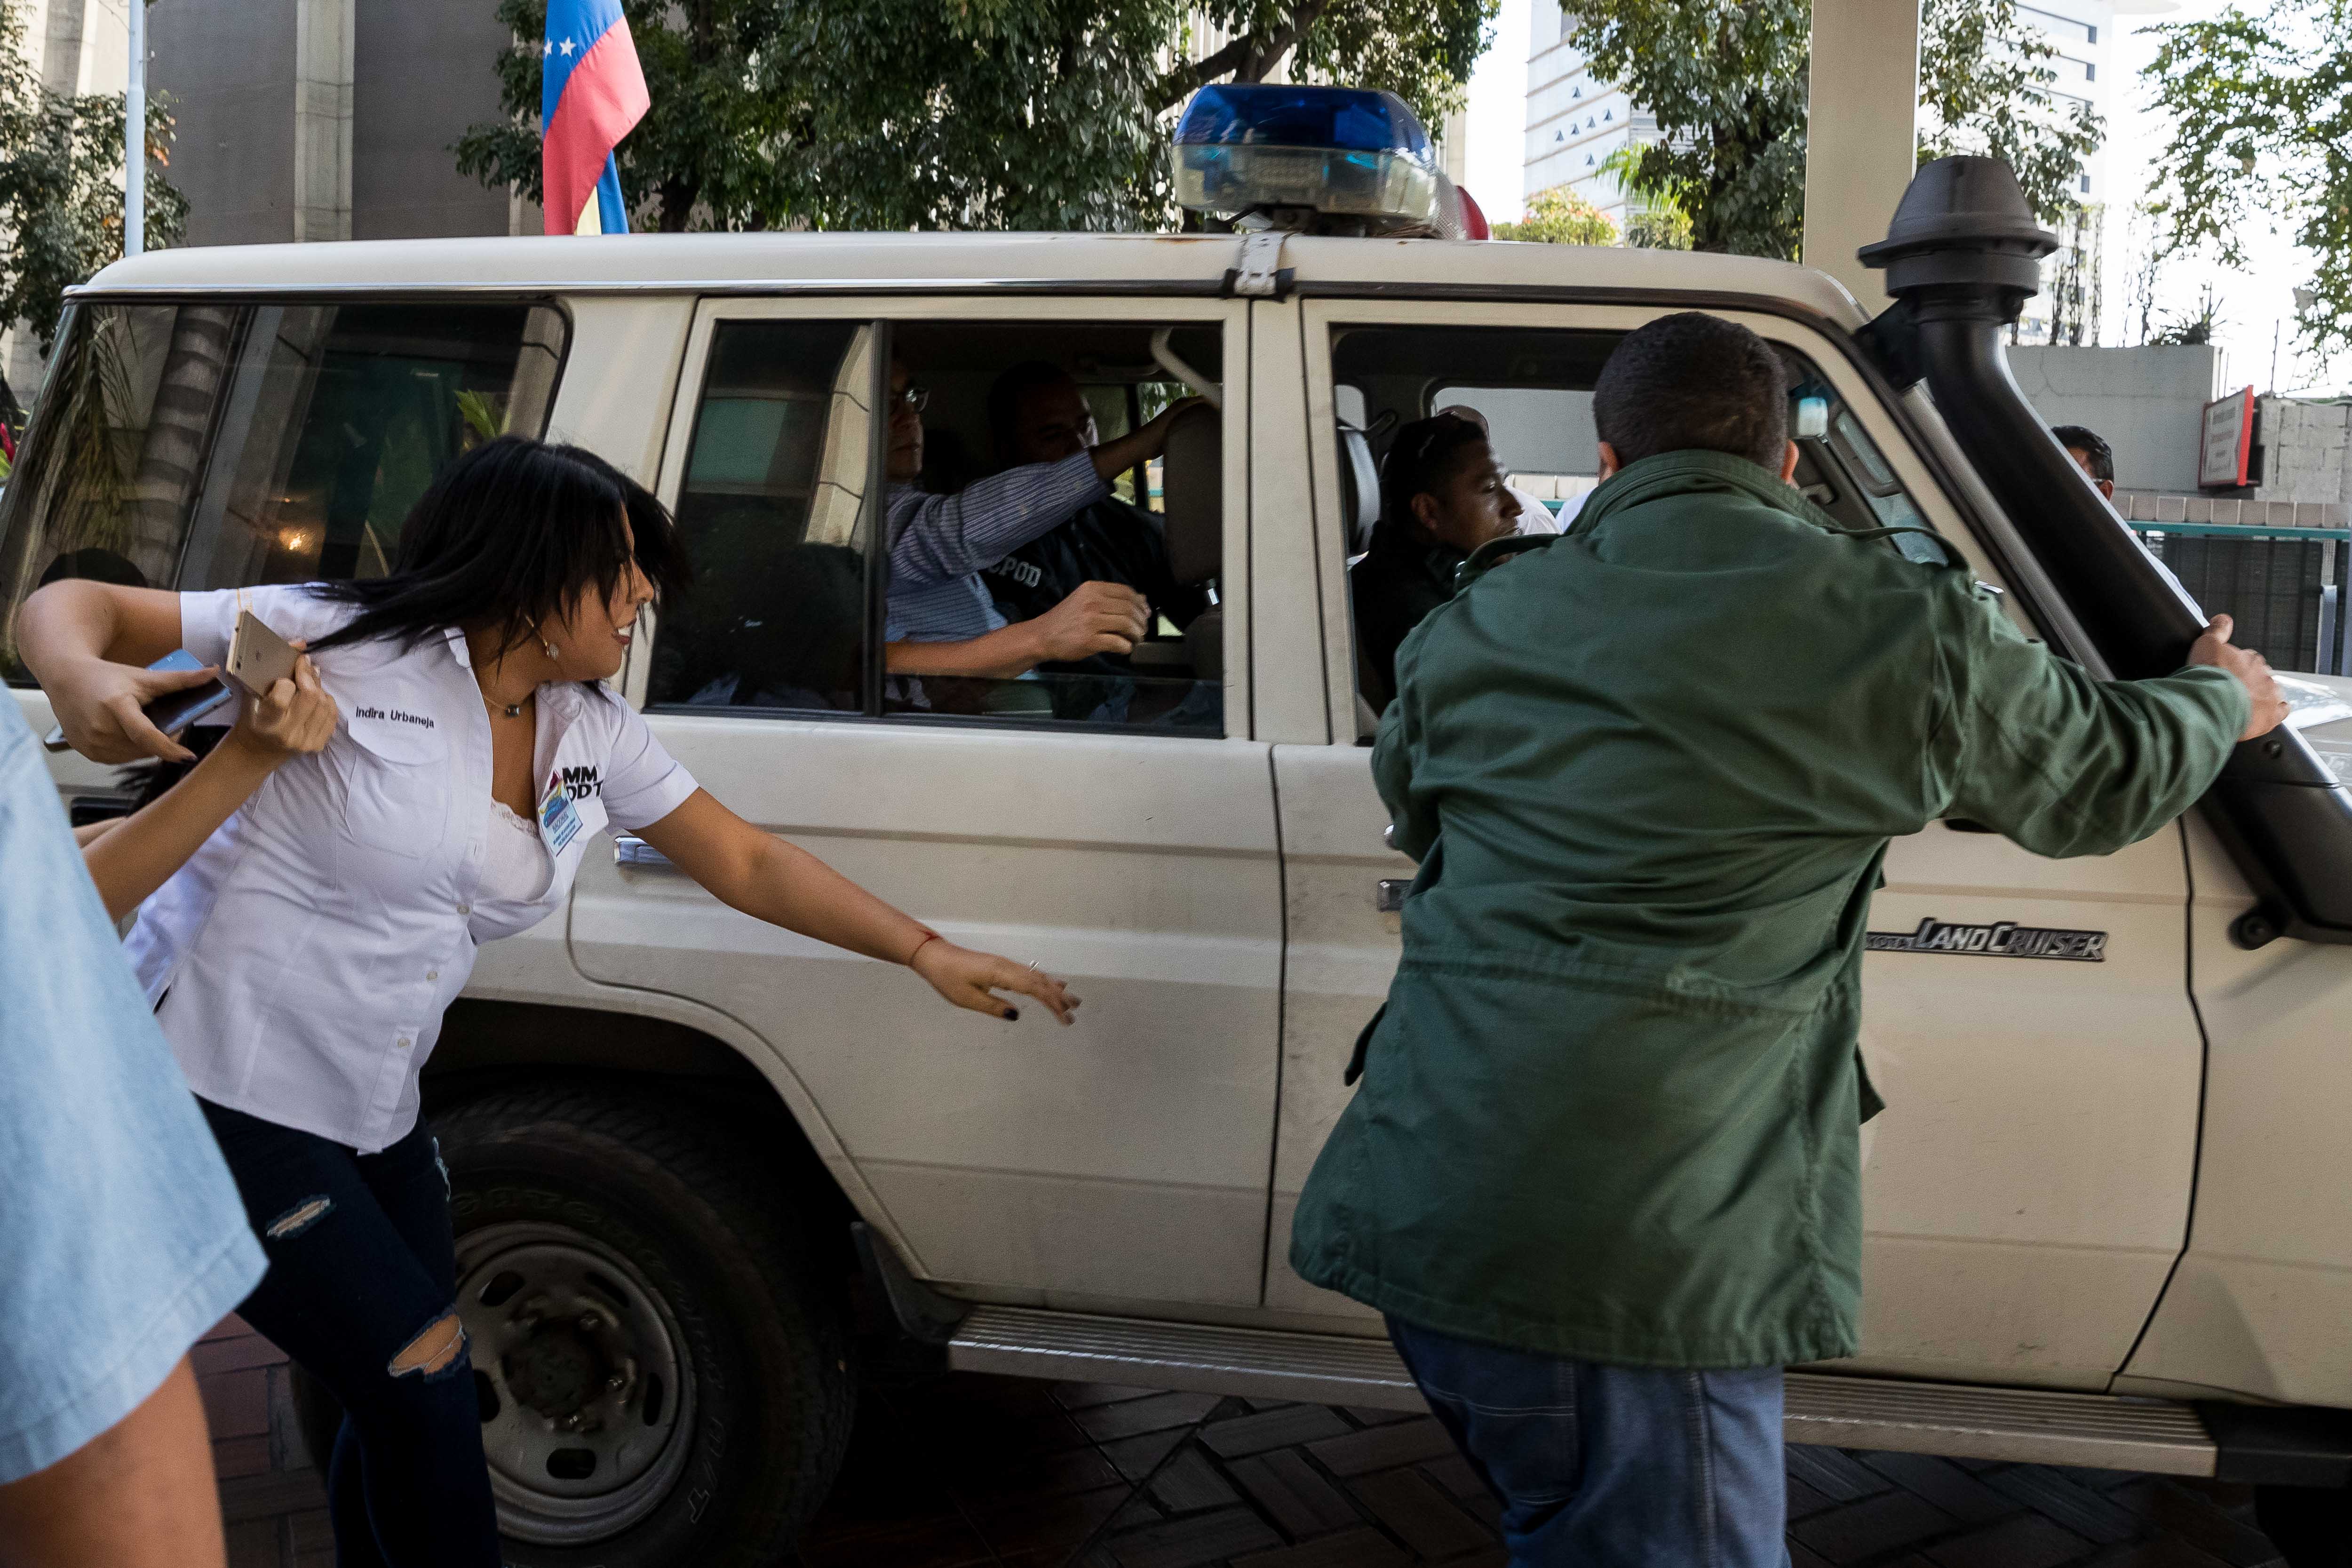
<point>963,1471</point>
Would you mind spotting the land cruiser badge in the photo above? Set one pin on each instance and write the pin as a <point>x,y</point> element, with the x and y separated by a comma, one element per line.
<point>2001,939</point>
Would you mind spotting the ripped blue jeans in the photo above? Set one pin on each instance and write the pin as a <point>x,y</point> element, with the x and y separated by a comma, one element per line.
<point>362,1278</point>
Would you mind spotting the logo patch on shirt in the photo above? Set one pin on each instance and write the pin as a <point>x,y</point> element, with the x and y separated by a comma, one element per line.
<point>577,783</point>
<point>2000,939</point>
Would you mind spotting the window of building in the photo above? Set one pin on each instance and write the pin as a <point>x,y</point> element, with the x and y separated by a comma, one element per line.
<point>804,602</point>
<point>291,445</point>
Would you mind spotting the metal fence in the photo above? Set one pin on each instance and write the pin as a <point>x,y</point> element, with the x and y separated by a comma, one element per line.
<point>2279,583</point>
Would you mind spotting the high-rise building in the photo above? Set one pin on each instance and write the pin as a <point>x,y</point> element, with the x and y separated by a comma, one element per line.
<point>1574,120</point>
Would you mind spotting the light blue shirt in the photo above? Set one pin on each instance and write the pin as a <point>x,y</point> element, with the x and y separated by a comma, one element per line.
<point>940,544</point>
<point>121,1237</point>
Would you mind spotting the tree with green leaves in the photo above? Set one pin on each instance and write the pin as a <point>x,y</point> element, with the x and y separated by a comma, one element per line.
<point>1035,114</point>
<point>2260,107</point>
<point>1984,89</point>
<point>1726,80</point>
<point>61,184</point>
<point>1560,217</point>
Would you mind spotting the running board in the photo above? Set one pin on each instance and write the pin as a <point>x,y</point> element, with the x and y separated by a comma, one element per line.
<point>1957,1420</point>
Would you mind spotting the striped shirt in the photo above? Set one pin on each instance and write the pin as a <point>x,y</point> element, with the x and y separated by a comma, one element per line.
<point>940,544</point>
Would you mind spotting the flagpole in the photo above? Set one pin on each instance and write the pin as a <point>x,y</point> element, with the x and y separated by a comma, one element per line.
<point>134,136</point>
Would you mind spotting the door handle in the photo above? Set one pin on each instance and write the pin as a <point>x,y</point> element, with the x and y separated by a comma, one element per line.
<point>628,850</point>
<point>1387,894</point>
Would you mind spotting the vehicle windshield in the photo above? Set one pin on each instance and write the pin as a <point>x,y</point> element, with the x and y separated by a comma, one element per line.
<point>219,444</point>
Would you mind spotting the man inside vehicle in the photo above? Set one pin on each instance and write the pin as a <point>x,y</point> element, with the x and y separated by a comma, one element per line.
<point>2091,454</point>
<point>941,617</point>
<point>1037,414</point>
<point>1602,1169</point>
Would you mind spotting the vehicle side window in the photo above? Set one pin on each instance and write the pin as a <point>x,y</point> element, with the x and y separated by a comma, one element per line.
<point>1532,392</point>
<point>1005,562</point>
<point>216,445</point>
<point>772,517</point>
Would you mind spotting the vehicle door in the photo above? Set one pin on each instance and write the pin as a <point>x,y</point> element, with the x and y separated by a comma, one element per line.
<point>2027,1188</point>
<point>1116,829</point>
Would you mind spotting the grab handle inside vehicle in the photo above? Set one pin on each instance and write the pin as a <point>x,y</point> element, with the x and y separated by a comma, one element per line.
<point>1963,253</point>
<point>1209,390</point>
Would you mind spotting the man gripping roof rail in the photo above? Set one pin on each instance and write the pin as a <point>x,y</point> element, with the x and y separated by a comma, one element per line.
<point>1601,1171</point>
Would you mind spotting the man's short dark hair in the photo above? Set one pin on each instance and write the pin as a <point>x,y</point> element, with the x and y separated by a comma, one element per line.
<point>1005,393</point>
<point>1690,381</point>
<point>2087,442</point>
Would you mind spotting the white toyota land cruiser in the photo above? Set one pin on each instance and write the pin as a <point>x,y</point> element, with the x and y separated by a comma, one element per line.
<point>2109,1210</point>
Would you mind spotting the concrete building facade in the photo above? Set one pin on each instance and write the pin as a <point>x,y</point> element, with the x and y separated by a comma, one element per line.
<point>303,120</point>
<point>299,119</point>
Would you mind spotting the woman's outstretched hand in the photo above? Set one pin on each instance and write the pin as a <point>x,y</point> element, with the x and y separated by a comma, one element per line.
<point>973,980</point>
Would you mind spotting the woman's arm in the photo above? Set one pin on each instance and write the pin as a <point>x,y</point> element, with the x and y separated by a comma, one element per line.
<point>784,885</point>
<point>130,858</point>
<point>85,642</point>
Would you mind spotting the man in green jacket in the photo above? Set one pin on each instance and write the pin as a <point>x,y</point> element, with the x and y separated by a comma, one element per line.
<point>1601,1171</point>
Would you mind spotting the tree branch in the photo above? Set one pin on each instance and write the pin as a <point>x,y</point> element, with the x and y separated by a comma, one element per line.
<point>1250,54</point>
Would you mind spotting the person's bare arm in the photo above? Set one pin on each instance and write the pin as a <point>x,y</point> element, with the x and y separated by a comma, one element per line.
<point>1142,444</point>
<point>1098,617</point>
<point>85,643</point>
<point>786,885</point>
<point>138,855</point>
<point>139,1495</point>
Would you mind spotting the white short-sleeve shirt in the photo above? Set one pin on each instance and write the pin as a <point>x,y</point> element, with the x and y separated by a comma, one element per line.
<point>304,956</point>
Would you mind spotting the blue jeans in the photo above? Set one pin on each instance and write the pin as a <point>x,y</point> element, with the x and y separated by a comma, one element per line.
<point>1612,1467</point>
<point>362,1263</point>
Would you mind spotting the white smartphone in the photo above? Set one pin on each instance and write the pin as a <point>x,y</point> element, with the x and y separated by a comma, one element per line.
<point>258,657</point>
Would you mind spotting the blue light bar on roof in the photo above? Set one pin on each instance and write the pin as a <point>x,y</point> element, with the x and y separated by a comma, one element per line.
<point>1347,153</point>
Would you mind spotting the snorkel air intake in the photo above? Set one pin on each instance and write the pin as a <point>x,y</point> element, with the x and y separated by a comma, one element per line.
<point>1962,257</point>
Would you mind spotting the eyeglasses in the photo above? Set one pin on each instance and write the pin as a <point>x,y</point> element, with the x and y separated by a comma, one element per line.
<point>913,398</point>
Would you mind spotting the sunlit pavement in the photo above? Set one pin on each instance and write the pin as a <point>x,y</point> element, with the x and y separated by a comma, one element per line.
<point>963,1470</point>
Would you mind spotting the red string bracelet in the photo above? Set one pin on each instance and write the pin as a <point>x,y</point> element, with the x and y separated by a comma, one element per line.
<point>930,937</point>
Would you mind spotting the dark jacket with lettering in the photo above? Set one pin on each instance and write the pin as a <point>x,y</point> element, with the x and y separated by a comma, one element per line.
<point>1650,769</point>
<point>1107,541</point>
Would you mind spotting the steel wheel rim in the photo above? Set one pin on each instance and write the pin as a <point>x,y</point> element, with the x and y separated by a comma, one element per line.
<point>526,1291</point>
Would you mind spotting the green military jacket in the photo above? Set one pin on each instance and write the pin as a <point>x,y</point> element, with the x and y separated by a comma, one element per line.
<point>1649,772</point>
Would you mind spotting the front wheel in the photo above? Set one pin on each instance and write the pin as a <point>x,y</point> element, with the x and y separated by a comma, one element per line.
<point>657,1349</point>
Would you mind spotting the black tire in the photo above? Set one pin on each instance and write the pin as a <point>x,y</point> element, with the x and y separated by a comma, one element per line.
<point>2311,1526</point>
<point>683,1219</point>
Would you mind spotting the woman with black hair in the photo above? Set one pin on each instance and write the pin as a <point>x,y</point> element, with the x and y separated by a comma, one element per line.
<point>1442,497</point>
<point>299,963</point>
